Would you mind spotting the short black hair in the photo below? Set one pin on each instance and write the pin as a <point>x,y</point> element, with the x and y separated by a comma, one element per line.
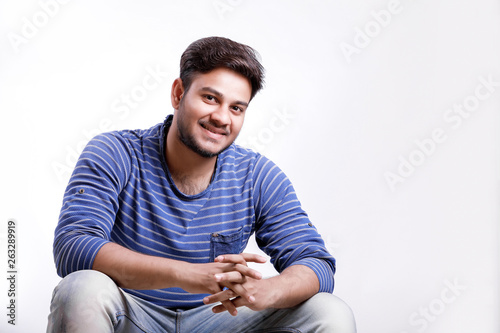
<point>207,54</point>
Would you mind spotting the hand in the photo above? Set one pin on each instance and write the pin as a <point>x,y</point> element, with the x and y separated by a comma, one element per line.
<point>241,290</point>
<point>241,268</point>
<point>261,296</point>
<point>293,286</point>
<point>233,281</point>
<point>227,271</point>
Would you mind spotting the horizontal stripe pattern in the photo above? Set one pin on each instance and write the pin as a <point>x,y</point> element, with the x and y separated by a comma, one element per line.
<point>121,191</point>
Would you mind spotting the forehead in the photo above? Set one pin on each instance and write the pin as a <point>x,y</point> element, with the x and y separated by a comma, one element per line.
<point>227,82</point>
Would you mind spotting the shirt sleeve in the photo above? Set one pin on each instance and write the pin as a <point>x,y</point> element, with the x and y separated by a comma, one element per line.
<point>283,229</point>
<point>90,203</point>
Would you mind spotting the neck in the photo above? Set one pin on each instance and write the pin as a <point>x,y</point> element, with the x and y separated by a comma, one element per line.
<point>190,171</point>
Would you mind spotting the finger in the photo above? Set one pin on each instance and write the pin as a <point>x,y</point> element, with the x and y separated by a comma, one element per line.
<point>241,291</point>
<point>229,307</point>
<point>219,297</point>
<point>240,301</point>
<point>220,309</point>
<point>223,297</point>
<point>234,276</point>
<point>248,272</point>
<point>237,302</point>
<point>231,259</point>
<point>237,273</point>
<point>242,258</point>
<point>252,257</point>
<point>234,290</point>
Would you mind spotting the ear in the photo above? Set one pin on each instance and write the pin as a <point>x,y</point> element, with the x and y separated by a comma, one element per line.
<point>177,93</point>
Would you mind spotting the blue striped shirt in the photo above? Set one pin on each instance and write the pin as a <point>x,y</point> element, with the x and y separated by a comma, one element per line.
<point>121,191</point>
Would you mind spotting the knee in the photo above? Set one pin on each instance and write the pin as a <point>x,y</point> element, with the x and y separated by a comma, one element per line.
<point>332,313</point>
<point>84,286</point>
<point>81,297</point>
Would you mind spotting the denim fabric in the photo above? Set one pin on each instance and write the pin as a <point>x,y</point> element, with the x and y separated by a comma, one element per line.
<point>226,244</point>
<point>89,301</point>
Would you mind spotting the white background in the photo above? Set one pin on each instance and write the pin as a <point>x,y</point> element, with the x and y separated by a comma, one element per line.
<point>351,87</point>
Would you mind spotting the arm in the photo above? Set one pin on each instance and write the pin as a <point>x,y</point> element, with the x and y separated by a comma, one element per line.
<point>133,270</point>
<point>90,203</point>
<point>283,228</point>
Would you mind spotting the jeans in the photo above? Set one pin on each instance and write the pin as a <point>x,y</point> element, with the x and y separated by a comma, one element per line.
<point>89,301</point>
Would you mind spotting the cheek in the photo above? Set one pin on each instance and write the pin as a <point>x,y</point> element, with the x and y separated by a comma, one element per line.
<point>192,112</point>
<point>237,124</point>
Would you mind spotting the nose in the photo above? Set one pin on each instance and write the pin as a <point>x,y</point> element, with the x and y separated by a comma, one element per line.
<point>221,116</point>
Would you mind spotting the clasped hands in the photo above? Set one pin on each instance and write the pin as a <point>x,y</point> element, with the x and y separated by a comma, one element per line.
<point>230,281</point>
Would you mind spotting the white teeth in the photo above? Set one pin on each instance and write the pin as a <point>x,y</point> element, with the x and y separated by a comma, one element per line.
<point>210,130</point>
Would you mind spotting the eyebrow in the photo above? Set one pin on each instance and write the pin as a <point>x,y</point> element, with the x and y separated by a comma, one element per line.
<point>220,95</point>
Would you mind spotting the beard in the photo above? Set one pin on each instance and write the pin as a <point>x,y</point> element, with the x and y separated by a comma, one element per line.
<point>189,140</point>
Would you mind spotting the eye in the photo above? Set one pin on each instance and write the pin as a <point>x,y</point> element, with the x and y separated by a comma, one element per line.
<point>237,108</point>
<point>210,98</point>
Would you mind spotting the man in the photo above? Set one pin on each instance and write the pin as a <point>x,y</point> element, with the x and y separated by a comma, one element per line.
<point>154,222</point>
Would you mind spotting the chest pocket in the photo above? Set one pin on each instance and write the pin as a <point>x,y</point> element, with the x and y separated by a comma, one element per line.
<point>225,244</point>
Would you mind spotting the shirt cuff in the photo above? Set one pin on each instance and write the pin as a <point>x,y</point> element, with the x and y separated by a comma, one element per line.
<point>79,254</point>
<point>323,271</point>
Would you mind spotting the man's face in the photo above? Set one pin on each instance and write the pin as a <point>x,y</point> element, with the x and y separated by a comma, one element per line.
<point>211,113</point>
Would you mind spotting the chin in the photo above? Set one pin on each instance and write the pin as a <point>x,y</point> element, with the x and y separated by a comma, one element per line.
<point>204,151</point>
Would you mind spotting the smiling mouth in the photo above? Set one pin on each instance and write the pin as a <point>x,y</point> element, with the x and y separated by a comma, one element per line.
<point>214,129</point>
